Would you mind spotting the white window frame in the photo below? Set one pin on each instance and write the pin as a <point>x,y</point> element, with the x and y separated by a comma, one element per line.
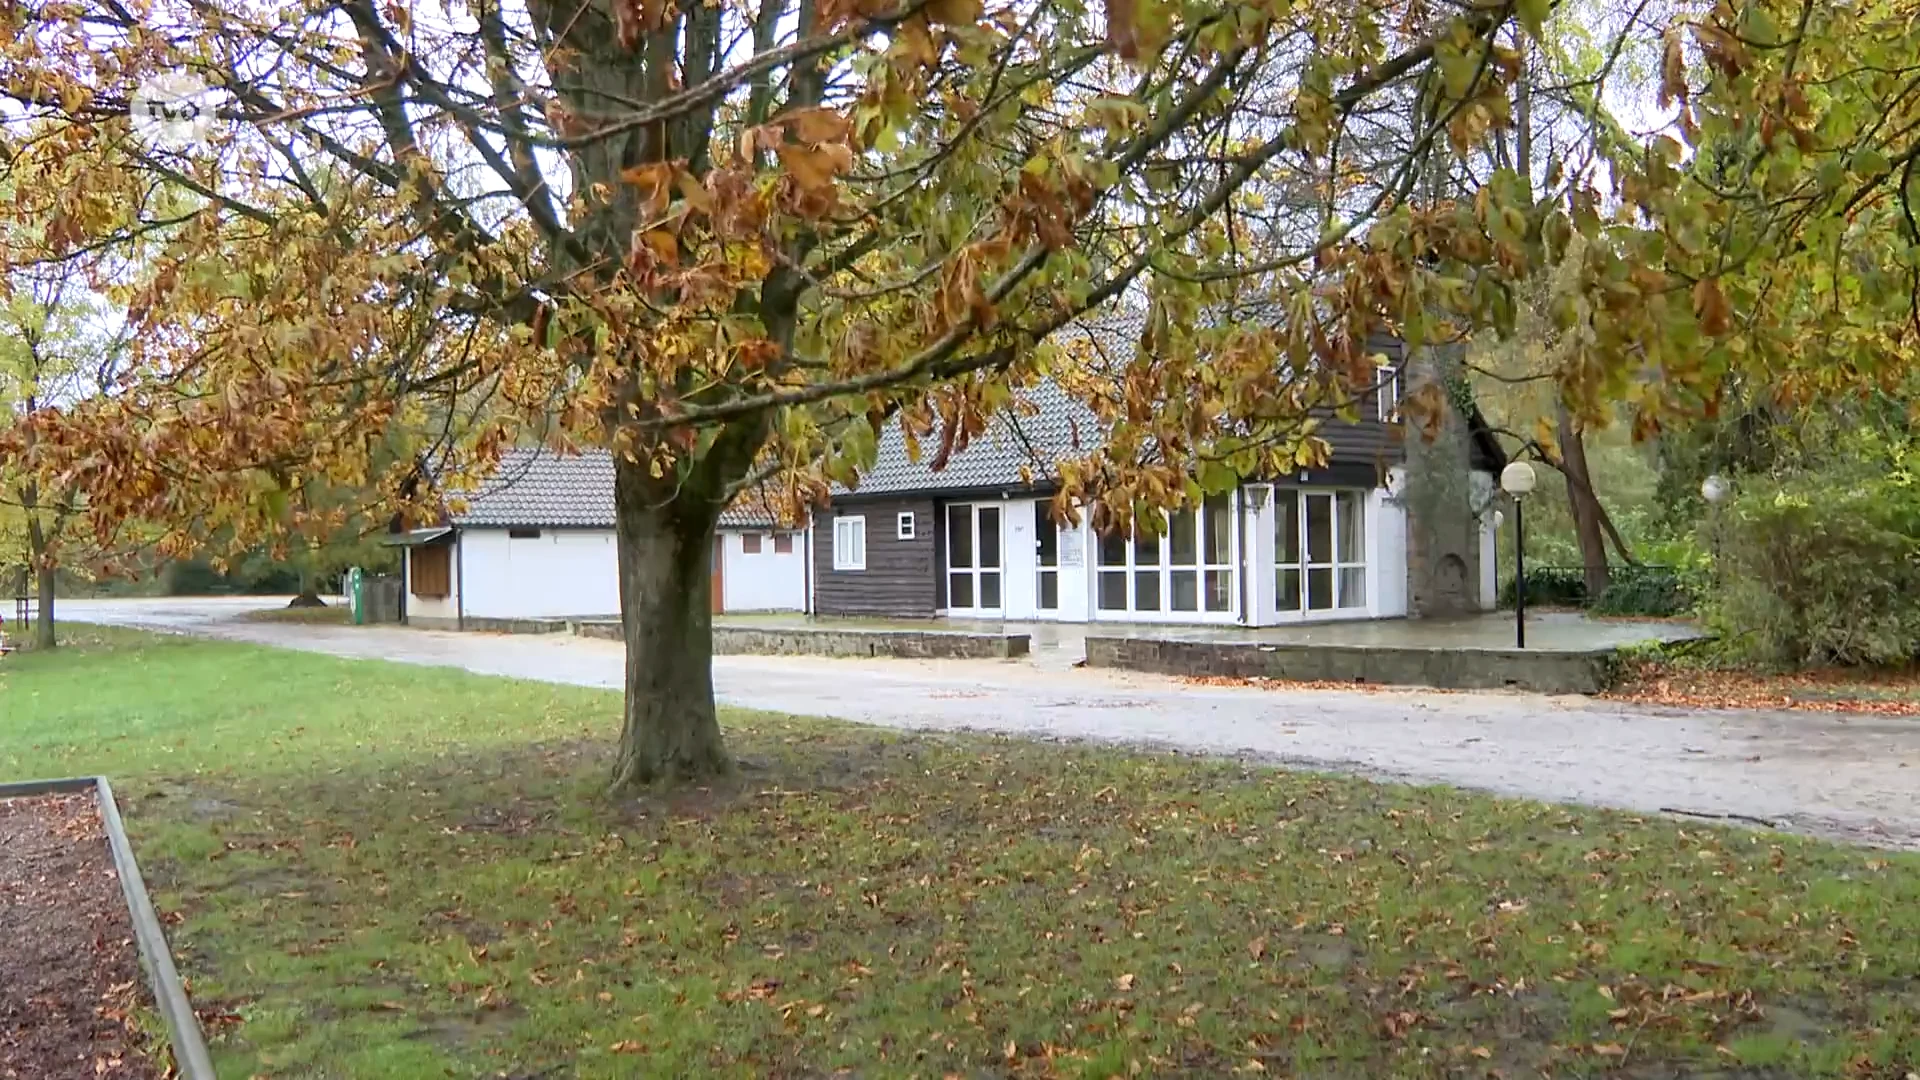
<point>850,542</point>
<point>1388,393</point>
<point>903,525</point>
<point>1164,569</point>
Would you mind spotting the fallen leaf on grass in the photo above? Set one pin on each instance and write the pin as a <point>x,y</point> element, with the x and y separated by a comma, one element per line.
<point>1609,1049</point>
<point>1124,983</point>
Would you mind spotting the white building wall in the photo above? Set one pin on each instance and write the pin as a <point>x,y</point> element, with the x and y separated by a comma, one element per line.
<point>1489,562</point>
<point>1387,549</point>
<point>1020,589</point>
<point>766,580</point>
<point>558,573</point>
<point>1257,549</point>
<point>1076,569</point>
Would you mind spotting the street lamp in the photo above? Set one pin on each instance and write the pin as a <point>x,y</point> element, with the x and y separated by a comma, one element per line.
<point>1715,489</point>
<point>1517,480</point>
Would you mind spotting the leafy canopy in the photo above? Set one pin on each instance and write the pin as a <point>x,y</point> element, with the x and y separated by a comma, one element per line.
<point>733,239</point>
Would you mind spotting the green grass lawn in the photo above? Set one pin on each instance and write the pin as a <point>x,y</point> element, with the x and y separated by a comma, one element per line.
<point>389,871</point>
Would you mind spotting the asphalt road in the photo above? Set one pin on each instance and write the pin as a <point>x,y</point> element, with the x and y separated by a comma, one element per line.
<point>1847,777</point>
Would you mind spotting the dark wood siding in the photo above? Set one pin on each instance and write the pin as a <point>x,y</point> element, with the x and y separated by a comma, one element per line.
<point>1365,443</point>
<point>900,577</point>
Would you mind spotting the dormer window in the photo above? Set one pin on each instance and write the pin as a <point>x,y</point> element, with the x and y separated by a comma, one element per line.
<point>1387,393</point>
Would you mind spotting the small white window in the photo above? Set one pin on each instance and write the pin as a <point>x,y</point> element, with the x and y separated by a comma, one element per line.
<point>1389,394</point>
<point>903,525</point>
<point>850,543</point>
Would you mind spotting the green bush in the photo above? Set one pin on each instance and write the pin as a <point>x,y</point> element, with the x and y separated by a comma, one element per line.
<point>1633,590</point>
<point>1550,586</point>
<point>1823,568</point>
<point>1660,591</point>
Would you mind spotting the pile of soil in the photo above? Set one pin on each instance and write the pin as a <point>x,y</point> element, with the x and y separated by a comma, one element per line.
<point>69,969</point>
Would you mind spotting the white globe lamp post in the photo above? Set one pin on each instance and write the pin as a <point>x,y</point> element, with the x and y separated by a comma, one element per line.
<point>1518,480</point>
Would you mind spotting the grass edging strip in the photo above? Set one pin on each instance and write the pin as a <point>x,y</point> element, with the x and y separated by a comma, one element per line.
<point>169,994</point>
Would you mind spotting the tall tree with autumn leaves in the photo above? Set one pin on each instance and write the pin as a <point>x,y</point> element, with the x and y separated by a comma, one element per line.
<point>732,239</point>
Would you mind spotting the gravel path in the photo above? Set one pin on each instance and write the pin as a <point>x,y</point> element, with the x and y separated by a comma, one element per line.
<point>1848,777</point>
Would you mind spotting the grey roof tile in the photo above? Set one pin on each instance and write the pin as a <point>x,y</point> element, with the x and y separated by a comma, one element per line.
<point>1059,426</point>
<point>544,487</point>
<point>541,487</point>
<point>748,511</point>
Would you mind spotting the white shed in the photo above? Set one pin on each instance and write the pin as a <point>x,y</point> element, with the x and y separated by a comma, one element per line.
<point>536,541</point>
<point>763,567</point>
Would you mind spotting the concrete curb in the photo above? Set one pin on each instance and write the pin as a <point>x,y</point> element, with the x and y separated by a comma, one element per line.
<point>190,1055</point>
<point>1542,671</point>
<point>843,641</point>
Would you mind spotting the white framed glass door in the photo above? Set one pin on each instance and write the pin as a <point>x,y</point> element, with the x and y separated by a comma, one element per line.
<point>1046,555</point>
<point>974,564</point>
<point>1319,552</point>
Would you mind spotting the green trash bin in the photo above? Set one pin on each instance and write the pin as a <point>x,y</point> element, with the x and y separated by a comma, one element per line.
<point>357,595</point>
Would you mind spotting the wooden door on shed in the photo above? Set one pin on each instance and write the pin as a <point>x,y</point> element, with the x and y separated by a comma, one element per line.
<point>719,560</point>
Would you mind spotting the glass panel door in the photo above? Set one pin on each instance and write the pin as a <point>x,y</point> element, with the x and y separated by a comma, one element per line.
<point>1286,549</point>
<point>987,518</point>
<point>1319,515</point>
<point>973,559</point>
<point>1320,551</point>
<point>1047,556</point>
<point>1351,550</point>
<point>960,568</point>
<point>1216,551</point>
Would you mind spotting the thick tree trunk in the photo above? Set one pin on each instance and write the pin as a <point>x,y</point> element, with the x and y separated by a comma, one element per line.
<point>670,734</point>
<point>43,635</point>
<point>309,596</point>
<point>43,572</point>
<point>1585,504</point>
